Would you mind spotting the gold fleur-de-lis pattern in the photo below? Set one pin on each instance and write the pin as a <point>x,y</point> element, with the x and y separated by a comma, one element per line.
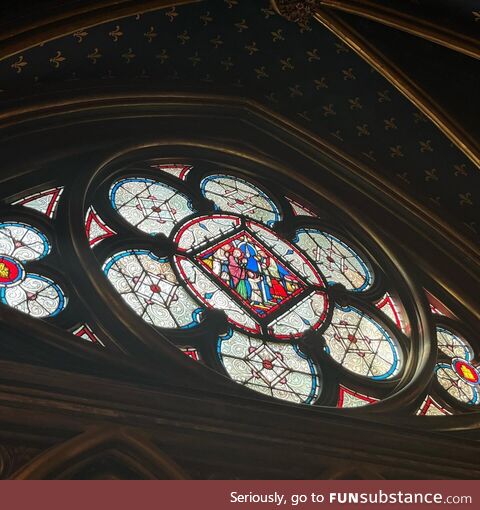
<point>242,47</point>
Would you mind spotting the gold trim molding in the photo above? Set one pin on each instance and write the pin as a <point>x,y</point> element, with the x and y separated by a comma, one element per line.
<point>403,83</point>
<point>407,23</point>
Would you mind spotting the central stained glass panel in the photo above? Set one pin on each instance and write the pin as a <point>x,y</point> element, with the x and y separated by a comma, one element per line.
<point>252,273</point>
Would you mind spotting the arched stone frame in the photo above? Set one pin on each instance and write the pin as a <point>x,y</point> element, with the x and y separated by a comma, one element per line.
<point>210,149</point>
<point>129,453</point>
<point>41,343</point>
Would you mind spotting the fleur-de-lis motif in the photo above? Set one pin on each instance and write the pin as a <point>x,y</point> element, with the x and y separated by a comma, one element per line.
<point>305,115</point>
<point>267,12</point>
<point>383,96</point>
<point>435,200</point>
<point>465,198</point>
<point>162,56</point>
<point>426,146</point>
<point>321,83</point>
<point>251,48</point>
<point>369,155</point>
<point>195,59</point>
<point>328,110</point>
<point>128,56</point>
<point>295,91</point>
<point>227,63</point>
<point>94,56</point>
<point>341,48</point>
<point>115,34</point>
<point>150,34</point>
<point>277,35</point>
<point>460,170</point>
<point>431,175</point>
<point>363,130</point>
<point>57,59</point>
<point>241,26</point>
<point>313,55</point>
<point>231,3</point>
<point>304,27</point>
<point>108,75</point>
<point>19,64</point>
<point>348,74</point>
<point>80,35</point>
<point>404,177</point>
<point>396,152</point>
<point>390,123</point>
<point>171,14</point>
<point>476,16</point>
<point>261,72</point>
<point>419,117</point>
<point>217,41</point>
<point>472,226</point>
<point>206,18</point>
<point>337,134</point>
<point>183,37</point>
<point>286,64</point>
<point>271,97</point>
<point>355,104</point>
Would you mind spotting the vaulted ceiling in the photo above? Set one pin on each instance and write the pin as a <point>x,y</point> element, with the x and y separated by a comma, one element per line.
<point>302,72</point>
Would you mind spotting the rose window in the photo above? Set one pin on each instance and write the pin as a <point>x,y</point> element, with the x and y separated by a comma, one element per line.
<point>256,283</point>
<point>256,278</point>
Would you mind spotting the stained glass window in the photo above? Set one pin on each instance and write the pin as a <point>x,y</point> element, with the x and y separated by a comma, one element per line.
<point>149,286</point>
<point>85,331</point>
<point>460,379</point>
<point>350,398</point>
<point>273,288</point>
<point>453,345</point>
<point>23,242</point>
<point>177,170</point>
<point>338,262</point>
<point>276,369</point>
<point>191,352</point>
<point>388,306</point>
<point>95,228</point>
<point>457,371</point>
<point>361,345</point>
<point>430,407</point>
<point>35,295</point>
<point>45,201</point>
<point>299,209</point>
<point>151,206</point>
<point>232,194</point>
<point>30,293</point>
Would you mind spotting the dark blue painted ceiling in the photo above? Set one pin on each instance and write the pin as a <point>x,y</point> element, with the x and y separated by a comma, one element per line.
<point>242,47</point>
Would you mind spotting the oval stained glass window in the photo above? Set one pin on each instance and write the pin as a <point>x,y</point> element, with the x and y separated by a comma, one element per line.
<point>276,369</point>
<point>452,344</point>
<point>338,262</point>
<point>36,295</point>
<point>23,242</point>
<point>151,206</point>
<point>149,286</point>
<point>232,194</point>
<point>361,345</point>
